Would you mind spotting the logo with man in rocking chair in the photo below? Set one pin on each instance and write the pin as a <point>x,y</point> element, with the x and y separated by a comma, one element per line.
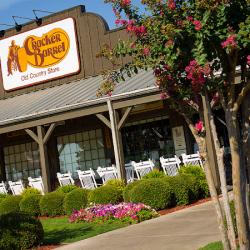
<point>38,52</point>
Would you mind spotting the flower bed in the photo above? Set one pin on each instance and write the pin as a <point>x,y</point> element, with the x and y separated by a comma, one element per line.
<point>108,213</point>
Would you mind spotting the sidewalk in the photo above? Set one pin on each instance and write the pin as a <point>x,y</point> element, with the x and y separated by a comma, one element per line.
<point>186,229</point>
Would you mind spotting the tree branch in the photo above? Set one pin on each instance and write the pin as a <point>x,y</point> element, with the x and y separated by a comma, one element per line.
<point>241,97</point>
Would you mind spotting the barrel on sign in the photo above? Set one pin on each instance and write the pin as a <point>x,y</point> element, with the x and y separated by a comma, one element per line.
<point>22,60</point>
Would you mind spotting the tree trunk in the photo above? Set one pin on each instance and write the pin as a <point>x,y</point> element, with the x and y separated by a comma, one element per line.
<point>211,184</point>
<point>239,180</point>
<point>220,161</point>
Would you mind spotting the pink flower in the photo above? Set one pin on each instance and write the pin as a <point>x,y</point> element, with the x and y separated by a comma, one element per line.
<point>190,18</point>
<point>199,126</point>
<point>230,42</point>
<point>248,59</point>
<point>197,24</point>
<point>171,4</point>
<point>125,3</point>
<point>163,95</point>
<point>146,51</point>
<point>169,43</point>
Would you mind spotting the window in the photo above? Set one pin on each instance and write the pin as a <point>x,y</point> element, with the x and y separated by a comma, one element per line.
<point>146,139</point>
<point>22,161</point>
<point>82,151</point>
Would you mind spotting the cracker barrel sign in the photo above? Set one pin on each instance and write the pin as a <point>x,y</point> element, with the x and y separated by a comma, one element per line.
<point>39,55</point>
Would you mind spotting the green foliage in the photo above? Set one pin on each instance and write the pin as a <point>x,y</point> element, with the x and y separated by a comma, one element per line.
<point>76,199</point>
<point>29,191</point>
<point>10,204</point>
<point>213,246</point>
<point>30,204</point>
<point>127,190</point>
<point>119,184</point>
<point>2,197</point>
<point>19,231</point>
<point>154,174</point>
<point>184,188</point>
<point>198,173</point>
<point>51,204</point>
<point>145,215</point>
<point>66,189</point>
<point>152,192</point>
<point>233,215</point>
<point>105,194</point>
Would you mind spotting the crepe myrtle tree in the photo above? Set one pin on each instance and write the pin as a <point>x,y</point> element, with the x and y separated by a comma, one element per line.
<point>193,48</point>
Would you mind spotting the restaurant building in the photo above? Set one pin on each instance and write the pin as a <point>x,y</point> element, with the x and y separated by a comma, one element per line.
<point>51,119</point>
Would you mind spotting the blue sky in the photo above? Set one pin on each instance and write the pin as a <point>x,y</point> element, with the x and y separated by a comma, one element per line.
<point>24,8</point>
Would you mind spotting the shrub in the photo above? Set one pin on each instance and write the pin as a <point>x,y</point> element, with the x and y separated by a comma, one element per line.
<point>2,197</point>
<point>119,184</point>
<point>30,204</point>
<point>10,204</point>
<point>105,194</point>
<point>51,204</point>
<point>198,173</point>
<point>153,192</point>
<point>127,190</point>
<point>76,199</point>
<point>19,231</point>
<point>184,187</point>
<point>154,174</point>
<point>66,189</point>
<point>30,191</point>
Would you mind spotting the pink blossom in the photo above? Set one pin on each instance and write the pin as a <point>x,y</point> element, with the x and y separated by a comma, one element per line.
<point>163,95</point>
<point>171,4</point>
<point>230,42</point>
<point>170,42</point>
<point>190,18</point>
<point>146,51</point>
<point>199,126</point>
<point>197,24</point>
<point>248,59</point>
<point>125,3</point>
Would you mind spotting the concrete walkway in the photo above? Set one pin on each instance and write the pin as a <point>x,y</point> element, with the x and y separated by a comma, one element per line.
<point>186,229</point>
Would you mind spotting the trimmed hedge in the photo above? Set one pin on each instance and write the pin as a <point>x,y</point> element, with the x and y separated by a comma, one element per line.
<point>51,204</point>
<point>30,191</point>
<point>198,173</point>
<point>105,194</point>
<point>154,174</point>
<point>10,204</point>
<point>66,189</point>
<point>30,204</point>
<point>119,184</point>
<point>76,199</point>
<point>127,190</point>
<point>152,192</point>
<point>2,197</point>
<point>184,188</point>
<point>19,231</point>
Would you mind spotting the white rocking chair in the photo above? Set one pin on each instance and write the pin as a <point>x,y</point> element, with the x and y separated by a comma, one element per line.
<point>129,172</point>
<point>16,187</point>
<point>3,189</point>
<point>142,168</point>
<point>87,178</point>
<point>170,165</point>
<point>192,159</point>
<point>37,183</point>
<point>65,179</point>
<point>108,173</point>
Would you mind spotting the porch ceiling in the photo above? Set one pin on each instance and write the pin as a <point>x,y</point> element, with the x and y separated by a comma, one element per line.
<point>70,97</point>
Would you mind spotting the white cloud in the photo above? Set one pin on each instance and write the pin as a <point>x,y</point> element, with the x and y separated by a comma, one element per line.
<point>5,4</point>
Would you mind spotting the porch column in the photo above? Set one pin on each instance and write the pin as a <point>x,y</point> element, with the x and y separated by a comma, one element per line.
<point>41,138</point>
<point>115,125</point>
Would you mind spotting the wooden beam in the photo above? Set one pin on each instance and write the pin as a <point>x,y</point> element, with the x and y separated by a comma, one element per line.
<point>104,120</point>
<point>49,132</point>
<point>124,117</point>
<point>44,159</point>
<point>32,135</point>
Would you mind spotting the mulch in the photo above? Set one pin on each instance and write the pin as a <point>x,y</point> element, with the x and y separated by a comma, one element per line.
<point>174,209</point>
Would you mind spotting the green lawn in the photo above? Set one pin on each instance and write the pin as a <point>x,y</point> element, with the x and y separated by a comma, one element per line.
<point>59,230</point>
<point>213,246</point>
